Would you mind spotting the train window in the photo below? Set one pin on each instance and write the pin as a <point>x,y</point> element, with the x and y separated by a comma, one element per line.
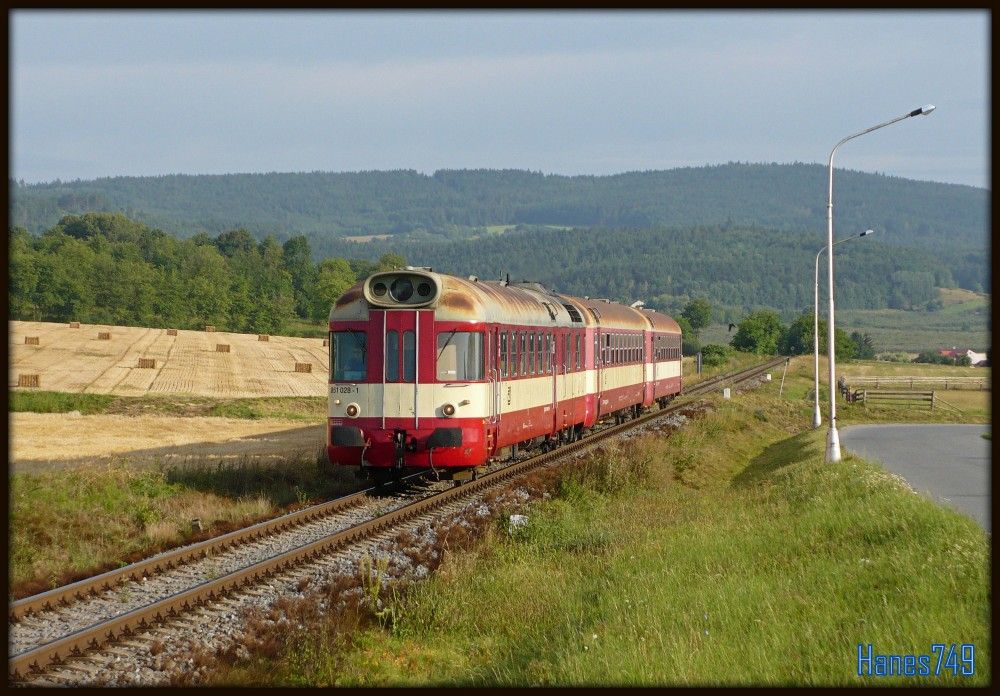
<point>391,356</point>
<point>540,354</point>
<point>514,372</point>
<point>548,353</point>
<point>348,356</point>
<point>524,352</point>
<point>531,354</point>
<point>577,357</point>
<point>503,353</point>
<point>409,356</point>
<point>459,356</point>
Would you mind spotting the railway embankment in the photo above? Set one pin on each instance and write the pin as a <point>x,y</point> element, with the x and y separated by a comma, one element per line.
<point>728,553</point>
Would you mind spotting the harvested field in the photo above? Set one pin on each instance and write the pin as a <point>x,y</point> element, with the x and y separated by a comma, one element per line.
<point>75,361</point>
<point>52,440</point>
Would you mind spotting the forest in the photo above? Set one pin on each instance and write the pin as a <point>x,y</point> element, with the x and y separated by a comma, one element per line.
<point>107,268</point>
<point>737,269</point>
<point>460,203</point>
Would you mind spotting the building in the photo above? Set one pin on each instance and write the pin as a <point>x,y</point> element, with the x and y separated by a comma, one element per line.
<point>956,353</point>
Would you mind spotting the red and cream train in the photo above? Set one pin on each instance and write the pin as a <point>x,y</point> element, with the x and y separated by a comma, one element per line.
<point>433,371</point>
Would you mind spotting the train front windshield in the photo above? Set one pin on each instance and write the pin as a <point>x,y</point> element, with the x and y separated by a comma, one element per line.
<point>348,356</point>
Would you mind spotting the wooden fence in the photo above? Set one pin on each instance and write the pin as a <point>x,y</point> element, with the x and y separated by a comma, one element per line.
<point>906,399</point>
<point>946,383</point>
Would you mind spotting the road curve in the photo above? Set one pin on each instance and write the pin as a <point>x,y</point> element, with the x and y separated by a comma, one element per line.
<point>951,463</point>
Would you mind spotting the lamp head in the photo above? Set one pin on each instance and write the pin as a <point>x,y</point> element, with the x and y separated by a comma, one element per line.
<point>923,110</point>
<point>866,233</point>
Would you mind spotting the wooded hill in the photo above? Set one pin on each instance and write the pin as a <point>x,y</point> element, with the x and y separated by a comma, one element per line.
<point>105,268</point>
<point>737,269</point>
<point>455,203</point>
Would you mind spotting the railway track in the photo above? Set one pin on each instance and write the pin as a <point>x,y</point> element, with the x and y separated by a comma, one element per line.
<point>174,583</point>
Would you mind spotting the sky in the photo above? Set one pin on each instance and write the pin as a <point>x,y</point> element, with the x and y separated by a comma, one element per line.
<point>96,94</point>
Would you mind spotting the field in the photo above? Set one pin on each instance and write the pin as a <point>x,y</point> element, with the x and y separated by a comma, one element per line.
<point>77,361</point>
<point>45,441</point>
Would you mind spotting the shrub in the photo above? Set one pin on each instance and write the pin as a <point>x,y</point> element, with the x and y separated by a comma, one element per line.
<point>714,354</point>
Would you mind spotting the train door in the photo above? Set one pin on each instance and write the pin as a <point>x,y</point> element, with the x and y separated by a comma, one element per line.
<point>551,364</point>
<point>494,360</point>
<point>598,372</point>
<point>647,374</point>
<point>400,376</point>
<point>561,370</point>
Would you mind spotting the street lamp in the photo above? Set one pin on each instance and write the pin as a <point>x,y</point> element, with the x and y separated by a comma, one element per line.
<point>833,439</point>
<point>817,420</point>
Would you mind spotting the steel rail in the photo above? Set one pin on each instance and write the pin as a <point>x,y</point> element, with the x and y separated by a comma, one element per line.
<point>55,652</point>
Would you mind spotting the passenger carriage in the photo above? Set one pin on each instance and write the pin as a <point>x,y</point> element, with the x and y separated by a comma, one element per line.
<point>434,371</point>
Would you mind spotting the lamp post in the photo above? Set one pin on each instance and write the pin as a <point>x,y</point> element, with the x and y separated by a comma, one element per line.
<point>817,420</point>
<point>833,439</point>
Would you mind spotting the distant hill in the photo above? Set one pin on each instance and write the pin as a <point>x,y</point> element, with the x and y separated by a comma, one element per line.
<point>324,206</point>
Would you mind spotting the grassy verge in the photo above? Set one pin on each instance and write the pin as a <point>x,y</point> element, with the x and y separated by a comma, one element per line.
<point>58,402</point>
<point>292,407</point>
<point>736,361</point>
<point>70,524</point>
<point>726,554</point>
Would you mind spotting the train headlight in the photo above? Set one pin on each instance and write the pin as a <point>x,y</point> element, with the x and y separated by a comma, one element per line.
<point>401,289</point>
<point>448,410</point>
<point>353,410</point>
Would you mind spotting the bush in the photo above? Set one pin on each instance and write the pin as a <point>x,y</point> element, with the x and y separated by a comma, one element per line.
<point>933,358</point>
<point>714,354</point>
<point>893,357</point>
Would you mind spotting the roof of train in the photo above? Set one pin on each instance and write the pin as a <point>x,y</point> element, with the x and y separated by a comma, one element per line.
<point>530,304</point>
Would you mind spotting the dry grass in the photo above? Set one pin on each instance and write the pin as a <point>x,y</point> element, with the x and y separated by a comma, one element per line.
<point>951,296</point>
<point>59,437</point>
<point>71,360</point>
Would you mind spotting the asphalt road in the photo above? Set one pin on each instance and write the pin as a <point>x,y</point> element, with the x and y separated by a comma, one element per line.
<point>951,463</point>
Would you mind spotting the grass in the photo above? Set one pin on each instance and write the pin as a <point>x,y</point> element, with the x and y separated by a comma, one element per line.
<point>973,404</point>
<point>290,408</point>
<point>726,554</point>
<point>69,524</point>
<point>736,361</point>
<point>58,402</point>
<point>305,329</point>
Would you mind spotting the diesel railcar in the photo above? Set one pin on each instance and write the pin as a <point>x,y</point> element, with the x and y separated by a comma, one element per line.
<point>429,370</point>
